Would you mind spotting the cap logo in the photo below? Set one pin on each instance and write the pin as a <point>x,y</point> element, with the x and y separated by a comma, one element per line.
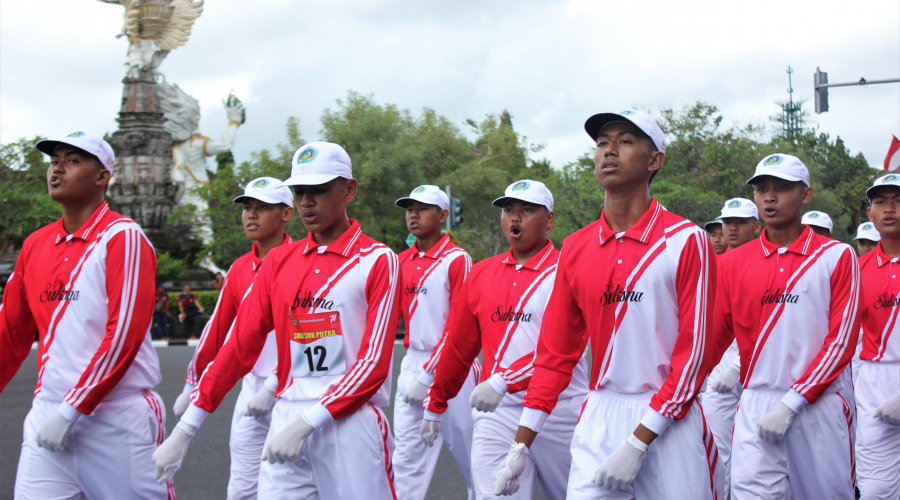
<point>521,186</point>
<point>308,155</point>
<point>261,183</point>
<point>420,189</point>
<point>75,134</point>
<point>889,178</point>
<point>627,113</point>
<point>772,160</point>
<point>813,216</point>
<point>734,204</point>
<point>867,227</point>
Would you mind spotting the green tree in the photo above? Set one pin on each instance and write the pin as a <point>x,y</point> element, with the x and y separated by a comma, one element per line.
<point>23,193</point>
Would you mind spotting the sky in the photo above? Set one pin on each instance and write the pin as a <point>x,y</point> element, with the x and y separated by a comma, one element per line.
<point>551,64</point>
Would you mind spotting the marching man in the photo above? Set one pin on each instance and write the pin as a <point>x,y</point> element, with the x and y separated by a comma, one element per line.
<point>332,299</point>
<point>740,223</point>
<point>878,383</point>
<point>267,206</point>
<point>819,222</point>
<point>790,299</point>
<point>716,236</point>
<point>432,271</point>
<point>84,284</point>
<point>867,238</point>
<point>638,284</point>
<point>499,313</point>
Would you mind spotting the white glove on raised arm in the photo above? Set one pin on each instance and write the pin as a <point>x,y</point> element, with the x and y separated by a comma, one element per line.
<point>430,431</point>
<point>621,467</point>
<point>52,435</point>
<point>505,477</point>
<point>889,410</point>
<point>260,404</point>
<point>485,398</point>
<point>168,457</point>
<point>725,381</point>
<point>415,393</point>
<point>286,445</point>
<point>775,424</point>
<point>182,401</point>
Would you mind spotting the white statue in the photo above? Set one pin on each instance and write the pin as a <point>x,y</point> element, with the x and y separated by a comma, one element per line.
<point>155,27</point>
<point>182,114</point>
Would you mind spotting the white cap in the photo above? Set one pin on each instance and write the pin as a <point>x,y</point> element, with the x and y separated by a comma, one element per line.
<point>884,180</point>
<point>783,166</point>
<point>527,190</point>
<point>740,207</point>
<point>867,231</point>
<point>431,195</point>
<point>639,119</point>
<point>710,224</point>
<point>93,144</point>
<point>317,163</point>
<point>269,190</point>
<point>820,219</point>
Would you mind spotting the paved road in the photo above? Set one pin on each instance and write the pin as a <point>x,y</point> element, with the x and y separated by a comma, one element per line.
<point>204,474</point>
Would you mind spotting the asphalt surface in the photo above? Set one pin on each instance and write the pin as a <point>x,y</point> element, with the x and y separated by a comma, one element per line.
<point>204,474</point>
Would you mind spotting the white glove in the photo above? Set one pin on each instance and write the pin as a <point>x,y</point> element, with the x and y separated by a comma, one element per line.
<point>775,424</point>
<point>724,383</point>
<point>889,411</point>
<point>505,477</point>
<point>430,431</point>
<point>260,404</point>
<point>181,404</point>
<point>621,467</point>
<point>286,445</point>
<point>485,398</point>
<point>415,393</point>
<point>168,457</point>
<point>52,435</point>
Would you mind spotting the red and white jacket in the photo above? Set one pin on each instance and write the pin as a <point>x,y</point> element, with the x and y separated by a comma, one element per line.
<point>499,312</point>
<point>793,312</point>
<point>643,298</point>
<point>237,281</point>
<point>879,305</point>
<point>88,294</point>
<point>431,283</point>
<point>334,311</point>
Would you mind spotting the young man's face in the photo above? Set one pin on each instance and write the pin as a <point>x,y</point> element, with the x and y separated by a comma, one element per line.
<point>186,289</point>
<point>780,202</point>
<point>74,175</point>
<point>739,230</point>
<point>424,220</point>
<point>865,246</point>
<point>525,225</point>
<point>160,290</point>
<point>625,156</point>
<point>262,220</point>
<point>324,205</point>
<point>717,237</point>
<point>821,231</point>
<point>884,212</point>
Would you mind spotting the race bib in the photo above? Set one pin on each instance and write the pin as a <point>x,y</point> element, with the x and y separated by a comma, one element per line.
<point>317,345</point>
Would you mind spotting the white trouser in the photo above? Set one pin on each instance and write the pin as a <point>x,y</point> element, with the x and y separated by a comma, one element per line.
<point>107,454</point>
<point>680,464</point>
<point>849,395</point>
<point>549,459</point>
<point>413,461</point>
<point>877,442</point>
<point>347,459</point>
<point>719,410</point>
<point>248,436</point>
<point>814,460</point>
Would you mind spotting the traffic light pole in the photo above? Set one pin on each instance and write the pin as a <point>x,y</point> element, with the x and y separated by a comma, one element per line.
<point>450,212</point>
<point>821,85</point>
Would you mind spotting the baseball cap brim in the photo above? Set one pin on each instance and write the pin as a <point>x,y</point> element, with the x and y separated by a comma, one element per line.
<point>780,175</point>
<point>870,193</point>
<point>263,198</point>
<point>47,146</point>
<point>501,200</point>
<point>402,202</point>
<point>309,179</point>
<point>595,124</point>
<point>711,223</point>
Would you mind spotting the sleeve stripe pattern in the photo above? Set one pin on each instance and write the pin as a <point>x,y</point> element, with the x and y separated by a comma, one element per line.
<point>361,370</point>
<point>104,365</point>
<point>192,366</point>
<point>841,342</point>
<point>779,308</point>
<point>688,381</point>
<point>522,373</point>
<point>431,365</point>
<point>520,307</point>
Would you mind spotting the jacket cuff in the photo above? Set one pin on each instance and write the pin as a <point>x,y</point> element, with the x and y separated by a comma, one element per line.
<point>425,378</point>
<point>434,417</point>
<point>188,388</point>
<point>271,383</point>
<point>533,419</point>
<point>69,412</point>
<point>794,400</point>
<point>498,383</point>
<point>656,422</point>
<point>194,416</point>
<point>317,415</point>
<point>736,364</point>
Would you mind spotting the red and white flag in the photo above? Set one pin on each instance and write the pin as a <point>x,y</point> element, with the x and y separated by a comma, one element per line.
<point>892,160</point>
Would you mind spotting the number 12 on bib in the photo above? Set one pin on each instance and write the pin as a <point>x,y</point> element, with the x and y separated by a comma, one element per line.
<point>317,345</point>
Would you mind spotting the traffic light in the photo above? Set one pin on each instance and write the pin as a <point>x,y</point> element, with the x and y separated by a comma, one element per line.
<point>455,210</point>
<point>821,78</point>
